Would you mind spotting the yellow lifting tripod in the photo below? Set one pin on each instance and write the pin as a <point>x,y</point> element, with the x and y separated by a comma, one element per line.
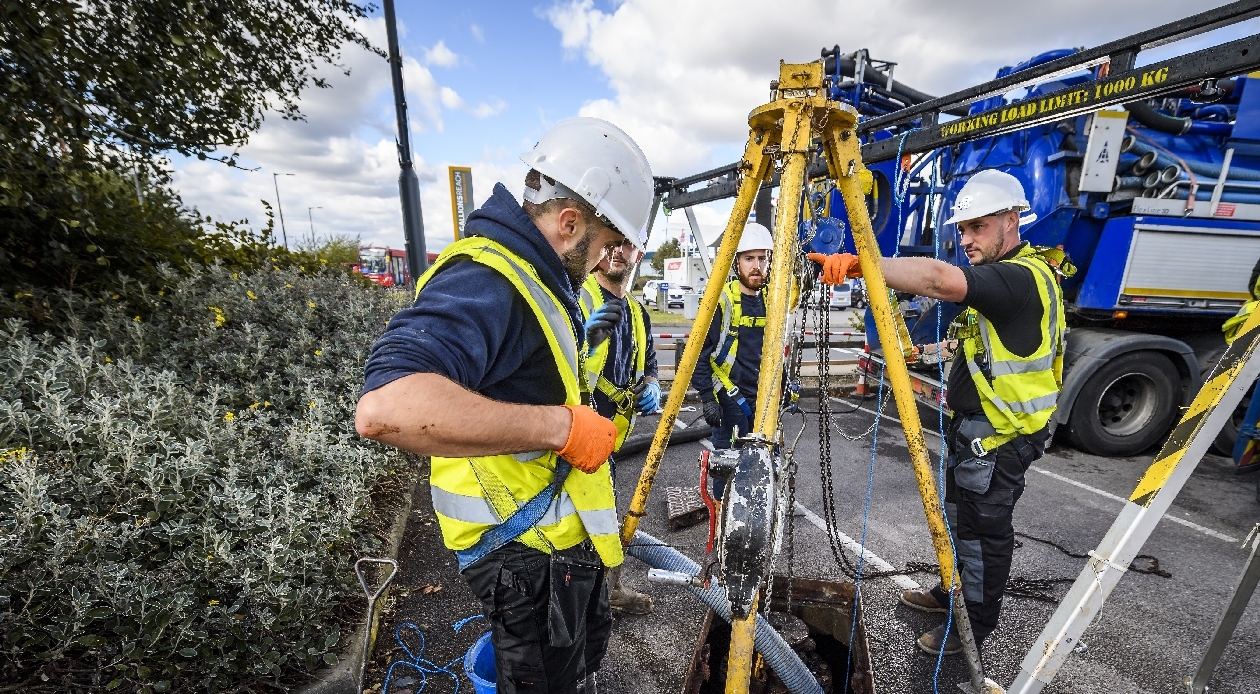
<point>786,129</point>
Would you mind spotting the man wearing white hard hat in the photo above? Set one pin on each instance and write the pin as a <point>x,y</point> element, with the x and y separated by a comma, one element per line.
<point>621,374</point>
<point>483,373</point>
<point>726,373</point>
<point>1002,387</point>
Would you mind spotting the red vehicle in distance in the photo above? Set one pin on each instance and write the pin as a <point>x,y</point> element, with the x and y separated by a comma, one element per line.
<point>384,266</point>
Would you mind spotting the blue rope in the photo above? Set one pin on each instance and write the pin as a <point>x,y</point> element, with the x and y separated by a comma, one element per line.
<point>940,429</point>
<point>419,663</point>
<point>899,189</point>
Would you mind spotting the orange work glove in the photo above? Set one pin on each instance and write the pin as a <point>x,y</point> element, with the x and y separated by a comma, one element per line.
<point>591,439</point>
<point>837,267</point>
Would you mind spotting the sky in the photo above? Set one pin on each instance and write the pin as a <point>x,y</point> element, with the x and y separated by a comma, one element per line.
<point>485,79</point>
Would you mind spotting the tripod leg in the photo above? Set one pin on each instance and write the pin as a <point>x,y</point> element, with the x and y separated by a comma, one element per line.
<point>845,160</point>
<point>1220,638</point>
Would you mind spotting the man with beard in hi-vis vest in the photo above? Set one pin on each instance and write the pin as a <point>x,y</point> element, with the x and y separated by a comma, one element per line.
<point>726,373</point>
<point>621,373</point>
<point>1002,388</point>
<point>484,373</point>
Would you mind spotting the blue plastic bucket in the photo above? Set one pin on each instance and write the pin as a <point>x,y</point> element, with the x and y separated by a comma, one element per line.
<point>479,665</point>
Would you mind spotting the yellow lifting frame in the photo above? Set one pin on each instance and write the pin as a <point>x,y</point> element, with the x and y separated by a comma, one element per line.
<point>786,128</point>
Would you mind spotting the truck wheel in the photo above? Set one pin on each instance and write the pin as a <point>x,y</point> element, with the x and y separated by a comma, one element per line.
<point>1127,406</point>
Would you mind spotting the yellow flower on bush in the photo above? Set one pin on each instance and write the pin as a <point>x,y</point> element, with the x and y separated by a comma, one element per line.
<point>136,319</point>
<point>214,602</point>
<point>252,296</point>
<point>311,304</point>
<point>254,406</point>
<point>219,318</point>
<point>14,453</point>
<point>229,416</point>
<point>319,352</point>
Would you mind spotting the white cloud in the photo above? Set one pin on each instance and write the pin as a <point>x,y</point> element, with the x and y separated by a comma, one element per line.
<point>440,55</point>
<point>685,74</point>
<point>345,159</point>
<point>477,33</point>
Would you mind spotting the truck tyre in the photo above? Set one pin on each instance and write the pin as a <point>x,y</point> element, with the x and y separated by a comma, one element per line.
<point>1127,406</point>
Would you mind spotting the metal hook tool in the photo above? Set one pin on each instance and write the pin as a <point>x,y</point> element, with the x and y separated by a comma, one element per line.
<point>372,597</point>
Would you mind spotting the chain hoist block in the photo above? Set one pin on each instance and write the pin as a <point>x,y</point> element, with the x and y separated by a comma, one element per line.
<point>747,525</point>
<point>822,235</point>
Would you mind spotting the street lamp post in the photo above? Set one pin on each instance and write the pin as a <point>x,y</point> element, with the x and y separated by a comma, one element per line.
<point>408,182</point>
<point>283,232</point>
<point>311,219</point>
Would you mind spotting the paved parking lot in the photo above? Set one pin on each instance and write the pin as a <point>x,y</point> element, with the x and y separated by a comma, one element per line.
<point>1151,633</point>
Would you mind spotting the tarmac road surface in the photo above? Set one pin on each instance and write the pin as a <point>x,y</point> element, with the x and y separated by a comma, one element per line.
<point>1152,630</point>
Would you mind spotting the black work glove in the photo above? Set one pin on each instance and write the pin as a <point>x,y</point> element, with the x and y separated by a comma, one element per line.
<point>601,324</point>
<point>713,413</point>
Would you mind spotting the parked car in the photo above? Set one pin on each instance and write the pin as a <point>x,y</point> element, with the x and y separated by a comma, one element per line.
<point>840,296</point>
<point>857,295</point>
<point>650,289</point>
<point>673,296</point>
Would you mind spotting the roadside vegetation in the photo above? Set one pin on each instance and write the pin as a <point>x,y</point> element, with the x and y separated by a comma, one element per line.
<point>182,493</point>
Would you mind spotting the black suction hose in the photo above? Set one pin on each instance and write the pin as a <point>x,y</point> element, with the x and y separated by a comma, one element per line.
<point>908,94</point>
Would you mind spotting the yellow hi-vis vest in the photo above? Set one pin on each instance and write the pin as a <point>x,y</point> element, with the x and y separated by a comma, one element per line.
<point>733,318</point>
<point>473,494</point>
<point>592,297</point>
<point>1232,325</point>
<point>1019,394</point>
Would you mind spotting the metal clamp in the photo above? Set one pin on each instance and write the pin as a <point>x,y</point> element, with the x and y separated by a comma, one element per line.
<point>372,597</point>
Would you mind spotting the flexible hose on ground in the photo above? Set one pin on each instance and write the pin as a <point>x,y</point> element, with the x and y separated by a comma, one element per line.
<point>781,658</point>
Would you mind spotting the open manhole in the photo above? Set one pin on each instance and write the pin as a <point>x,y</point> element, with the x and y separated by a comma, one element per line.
<point>815,617</point>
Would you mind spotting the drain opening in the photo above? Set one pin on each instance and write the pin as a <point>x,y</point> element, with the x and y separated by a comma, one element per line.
<point>817,628</point>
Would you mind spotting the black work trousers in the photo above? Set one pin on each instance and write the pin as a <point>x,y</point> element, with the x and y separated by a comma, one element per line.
<point>983,533</point>
<point>527,610</point>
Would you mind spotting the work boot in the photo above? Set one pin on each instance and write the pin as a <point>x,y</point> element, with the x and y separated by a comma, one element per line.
<point>623,599</point>
<point>923,601</point>
<point>930,642</point>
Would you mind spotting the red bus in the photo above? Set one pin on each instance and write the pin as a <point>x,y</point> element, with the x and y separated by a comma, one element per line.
<point>384,266</point>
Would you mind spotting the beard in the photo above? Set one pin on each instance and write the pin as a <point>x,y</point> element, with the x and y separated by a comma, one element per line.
<point>988,254</point>
<point>577,260</point>
<point>753,284</point>
<point>616,276</point>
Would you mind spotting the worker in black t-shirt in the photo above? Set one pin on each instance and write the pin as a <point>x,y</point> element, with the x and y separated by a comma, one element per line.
<point>1003,385</point>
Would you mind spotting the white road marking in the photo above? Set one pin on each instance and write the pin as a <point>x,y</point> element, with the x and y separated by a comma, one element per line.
<point>870,557</point>
<point>1081,485</point>
<point>1167,516</point>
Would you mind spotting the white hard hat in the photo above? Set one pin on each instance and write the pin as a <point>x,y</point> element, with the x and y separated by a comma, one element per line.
<point>756,237</point>
<point>593,160</point>
<point>989,192</point>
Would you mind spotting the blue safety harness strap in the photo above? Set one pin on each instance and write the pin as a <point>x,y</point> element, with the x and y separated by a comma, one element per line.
<point>518,523</point>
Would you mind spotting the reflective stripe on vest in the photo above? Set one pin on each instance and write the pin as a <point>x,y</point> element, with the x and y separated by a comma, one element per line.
<point>472,495</point>
<point>1233,325</point>
<point>1018,394</point>
<point>723,358</point>
<point>590,300</point>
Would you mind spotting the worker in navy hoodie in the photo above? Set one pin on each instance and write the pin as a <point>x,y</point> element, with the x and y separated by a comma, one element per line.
<point>484,374</point>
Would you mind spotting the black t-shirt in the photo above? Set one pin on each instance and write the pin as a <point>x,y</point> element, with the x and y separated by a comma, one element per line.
<point>1006,295</point>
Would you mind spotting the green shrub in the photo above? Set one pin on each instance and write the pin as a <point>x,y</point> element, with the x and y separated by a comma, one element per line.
<point>182,493</point>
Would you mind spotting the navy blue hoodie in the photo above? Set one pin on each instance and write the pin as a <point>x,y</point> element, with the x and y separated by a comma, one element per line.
<point>470,325</point>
